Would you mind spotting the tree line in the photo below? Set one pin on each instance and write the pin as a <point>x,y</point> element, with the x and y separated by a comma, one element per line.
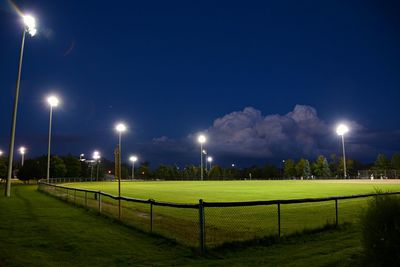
<point>70,166</point>
<point>334,167</point>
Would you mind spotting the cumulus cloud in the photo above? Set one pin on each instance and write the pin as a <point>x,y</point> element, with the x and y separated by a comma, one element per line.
<point>248,133</point>
<point>251,134</point>
<point>299,133</point>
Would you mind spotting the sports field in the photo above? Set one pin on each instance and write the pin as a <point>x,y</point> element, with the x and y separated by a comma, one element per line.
<point>192,191</point>
<point>226,224</point>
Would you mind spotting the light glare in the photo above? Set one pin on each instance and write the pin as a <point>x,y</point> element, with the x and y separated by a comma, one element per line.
<point>120,127</point>
<point>30,24</point>
<point>133,158</point>
<point>96,155</point>
<point>201,139</point>
<point>22,150</point>
<point>342,129</point>
<point>53,101</point>
<point>209,159</point>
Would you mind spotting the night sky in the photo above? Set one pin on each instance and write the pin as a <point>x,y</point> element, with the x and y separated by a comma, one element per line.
<point>265,80</point>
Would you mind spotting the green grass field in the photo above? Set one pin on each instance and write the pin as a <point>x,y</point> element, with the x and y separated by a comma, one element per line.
<point>192,191</point>
<point>235,223</point>
<point>39,230</point>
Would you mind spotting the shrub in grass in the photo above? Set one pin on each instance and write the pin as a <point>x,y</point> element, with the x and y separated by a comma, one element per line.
<point>381,231</point>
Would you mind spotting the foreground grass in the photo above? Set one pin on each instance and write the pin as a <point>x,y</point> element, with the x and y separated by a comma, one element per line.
<point>38,230</point>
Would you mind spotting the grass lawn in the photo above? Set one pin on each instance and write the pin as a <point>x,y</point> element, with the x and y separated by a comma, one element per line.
<point>238,223</point>
<point>192,191</point>
<point>39,230</point>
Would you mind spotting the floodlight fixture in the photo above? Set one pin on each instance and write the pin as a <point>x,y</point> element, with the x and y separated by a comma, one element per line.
<point>53,101</point>
<point>30,24</point>
<point>342,129</point>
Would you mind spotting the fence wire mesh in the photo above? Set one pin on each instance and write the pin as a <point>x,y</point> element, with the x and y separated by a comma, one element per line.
<point>222,222</point>
<point>350,210</point>
<point>136,214</point>
<point>229,224</point>
<point>306,216</point>
<point>181,224</point>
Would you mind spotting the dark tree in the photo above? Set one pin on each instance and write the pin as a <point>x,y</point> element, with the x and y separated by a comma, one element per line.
<point>57,167</point>
<point>216,173</point>
<point>73,165</point>
<point>395,162</point>
<point>289,169</point>
<point>381,162</point>
<point>321,167</point>
<point>32,170</point>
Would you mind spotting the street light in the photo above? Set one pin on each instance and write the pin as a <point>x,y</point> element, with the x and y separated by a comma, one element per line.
<point>120,128</point>
<point>96,157</point>
<point>210,159</point>
<point>30,28</point>
<point>201,139</point>
<point>81,157</point>
<point>53,102</point>
<point>341,130</point>
<point>133,159</point>
<point>22,150</point>
<point>1,153</point>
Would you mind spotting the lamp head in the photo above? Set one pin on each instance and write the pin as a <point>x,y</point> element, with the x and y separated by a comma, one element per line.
<point>209,159</point>
<point>22,150</point>
<point>342,129</point>
<point>133,158</point>
<point>30,24</point>
<point>53,101</point>
<point>120,127</point>
<point>201,139</point>
<point>96,155</point>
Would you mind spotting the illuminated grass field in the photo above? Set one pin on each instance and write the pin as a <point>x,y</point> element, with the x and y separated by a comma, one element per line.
<point>192,191</point>
<point>225,224</point>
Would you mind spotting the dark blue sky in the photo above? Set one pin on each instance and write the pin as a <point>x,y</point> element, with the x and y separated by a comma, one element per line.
<point>170,68</point>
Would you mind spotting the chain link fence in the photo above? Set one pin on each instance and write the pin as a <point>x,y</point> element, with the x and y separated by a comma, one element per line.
<point>211,224</point>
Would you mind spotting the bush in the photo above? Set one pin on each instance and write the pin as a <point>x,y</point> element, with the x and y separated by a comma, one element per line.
<point>381,231</point>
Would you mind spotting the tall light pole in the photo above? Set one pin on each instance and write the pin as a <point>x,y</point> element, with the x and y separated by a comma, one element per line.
<point>133,159</point>
<point>96,157</point>
<point>53,102</point>
<point>22,150</point>
<point>201,139</point>
<point>204,155</point>
<point>210,159</point>
<point>30,28</point>
<point>120,128</point>
<point>342,130</point>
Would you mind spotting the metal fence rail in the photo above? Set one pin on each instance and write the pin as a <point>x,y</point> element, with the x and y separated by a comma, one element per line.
<point>209,224</point>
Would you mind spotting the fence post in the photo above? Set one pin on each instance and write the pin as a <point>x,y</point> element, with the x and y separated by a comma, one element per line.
<point>279,221</point>
<point>337,214</point>
<point>99,198</point>
<point>202,227</point>
<point>85,199</point>
<point>151,215</point>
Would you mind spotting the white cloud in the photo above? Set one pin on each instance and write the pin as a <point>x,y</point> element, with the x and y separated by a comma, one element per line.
<point>251,134</point>
<point>298,133</point>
